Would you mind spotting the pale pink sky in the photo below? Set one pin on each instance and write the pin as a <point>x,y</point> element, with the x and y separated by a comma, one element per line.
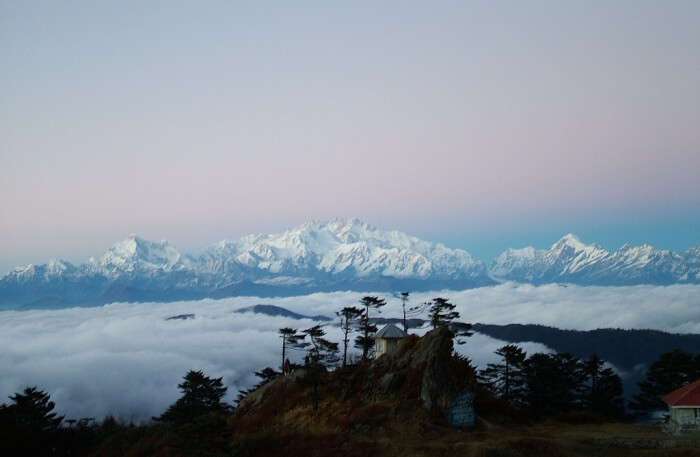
<point>466,122</point>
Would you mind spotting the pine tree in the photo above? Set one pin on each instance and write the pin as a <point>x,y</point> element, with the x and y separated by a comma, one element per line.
<point>365,341</point>
<point>552,381</point>
<point>506,379</point>
<point>601,391</point>
<point>291,339</point>
<point>33,409</point>
<point>322,352</point>
<point>441,312</point>
<point>266,375</point>
<point>349,317</point>
<point>28,425</point>
<point>200,395</point>
<point>321,355</point>
<point>671,371</point>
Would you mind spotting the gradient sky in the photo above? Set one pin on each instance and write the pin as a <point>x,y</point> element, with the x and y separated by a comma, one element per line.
<point>480,124</point>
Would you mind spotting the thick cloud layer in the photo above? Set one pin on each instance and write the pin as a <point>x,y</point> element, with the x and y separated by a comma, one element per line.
<point>126,359</point>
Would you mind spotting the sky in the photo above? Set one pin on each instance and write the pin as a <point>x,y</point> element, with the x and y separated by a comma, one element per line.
<point>481,124</point>
<point>130,358</point>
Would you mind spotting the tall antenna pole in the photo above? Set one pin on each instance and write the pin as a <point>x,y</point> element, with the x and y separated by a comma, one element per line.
<point>404,299</point>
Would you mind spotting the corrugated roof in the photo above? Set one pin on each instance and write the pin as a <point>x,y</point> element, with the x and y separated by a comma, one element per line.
<point>390,331</point>
<point>685,396</point>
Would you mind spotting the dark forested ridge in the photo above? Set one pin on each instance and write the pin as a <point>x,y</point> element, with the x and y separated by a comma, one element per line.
<point>631,351</point>
<point>625,349</point>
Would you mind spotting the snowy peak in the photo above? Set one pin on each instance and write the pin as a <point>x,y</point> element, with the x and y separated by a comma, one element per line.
<point>340,254</point>
<point>569,240</point>
<point>571,245</point>
<point>571,260</point>
<point>346,247</point>
<point>137,254</point>
<point>54,269</point>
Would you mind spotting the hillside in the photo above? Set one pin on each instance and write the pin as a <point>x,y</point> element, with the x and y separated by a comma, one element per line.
<point>398,405</point>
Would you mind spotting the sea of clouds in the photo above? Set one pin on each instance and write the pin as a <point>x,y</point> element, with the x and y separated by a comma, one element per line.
<point>126,359</point>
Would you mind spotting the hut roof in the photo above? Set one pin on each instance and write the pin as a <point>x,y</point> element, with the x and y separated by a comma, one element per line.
<point>685,396</point>
<point>390,331</point>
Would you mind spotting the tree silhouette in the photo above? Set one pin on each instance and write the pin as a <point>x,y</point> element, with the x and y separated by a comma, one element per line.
<point>551,383</point>
<point>321,354</point>
<point>266,375</point>
<point>291,339</point>
<point>441,312</point>
<point>507,379</point>
<point>28,425</point>
<point>601,391</point>
<point>348,321</point>
<point>365,340</point>
<point>200,395</point>
<point>671,371</point>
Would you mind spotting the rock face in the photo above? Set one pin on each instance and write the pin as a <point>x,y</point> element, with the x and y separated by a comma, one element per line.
<point>428,368</point>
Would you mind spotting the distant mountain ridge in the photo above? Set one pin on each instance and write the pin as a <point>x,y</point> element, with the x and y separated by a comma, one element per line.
<point>272,310</point>
<point>571,261</point>
<point>631,351</point>
<point>341,254</point>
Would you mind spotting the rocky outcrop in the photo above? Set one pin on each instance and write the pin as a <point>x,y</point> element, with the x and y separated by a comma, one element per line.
<point>426,368</point>
<point>423,374</point>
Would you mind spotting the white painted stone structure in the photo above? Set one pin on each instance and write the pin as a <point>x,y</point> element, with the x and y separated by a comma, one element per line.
<point>387,340</point>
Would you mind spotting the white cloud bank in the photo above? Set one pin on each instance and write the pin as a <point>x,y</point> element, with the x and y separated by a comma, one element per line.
<point>126,359</point>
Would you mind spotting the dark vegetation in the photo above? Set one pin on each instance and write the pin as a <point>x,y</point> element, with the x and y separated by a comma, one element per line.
<point>671,371</point>
<point>366,328</point>
<point>623,348</point>
<point>527,405</point>
<point>631,351</point>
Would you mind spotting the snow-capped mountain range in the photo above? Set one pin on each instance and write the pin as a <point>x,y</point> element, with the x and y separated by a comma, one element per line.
<point>571,261</point>
<point>342,254</point>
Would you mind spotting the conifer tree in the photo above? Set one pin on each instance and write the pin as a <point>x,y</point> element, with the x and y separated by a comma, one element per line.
<point>291,339</point>
<point>33,409</point>
<point>322,352</point>
<point>364,341</point>
<point>266,375</point>
<point>507,379</point>
<point>671,371</point>
<point>200,395</point>
<point>552,381</point>
<point>441,312</point>
<point>601,391</point>
<point>321,355</point>
<point>349,317</point>
<point>28,425</point>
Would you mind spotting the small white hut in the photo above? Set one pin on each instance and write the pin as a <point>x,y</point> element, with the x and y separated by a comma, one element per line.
<point>387,339</point>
